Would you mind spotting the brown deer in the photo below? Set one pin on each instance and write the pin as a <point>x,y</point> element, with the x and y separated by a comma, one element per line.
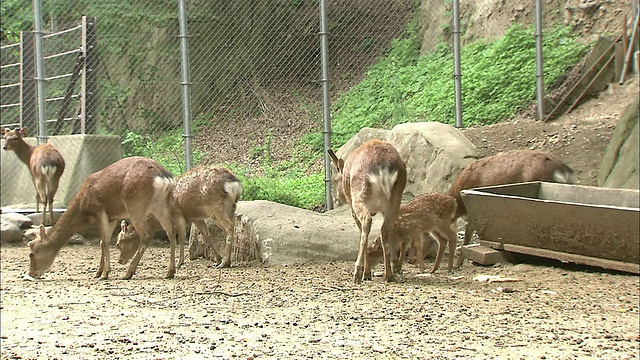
<point>45,163</point>
<point>427,214</point>
<point>506,168</point>
<point>372,180</point>
<point>132,188</point>
<point>201,193</point>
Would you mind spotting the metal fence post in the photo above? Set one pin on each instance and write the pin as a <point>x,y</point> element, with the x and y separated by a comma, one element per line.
<point>37,25</point>
<point>456,62</point>
<point>326,105</point>
<point>539,61</point>
<point>186,82</point>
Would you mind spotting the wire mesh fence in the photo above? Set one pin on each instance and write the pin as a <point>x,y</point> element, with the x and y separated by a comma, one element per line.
<point>113,81</point>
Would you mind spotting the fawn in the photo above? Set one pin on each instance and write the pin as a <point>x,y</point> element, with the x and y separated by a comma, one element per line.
<point>201,193</point>
<point>427,214</point>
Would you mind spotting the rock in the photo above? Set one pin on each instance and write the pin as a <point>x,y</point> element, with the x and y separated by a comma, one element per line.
<point>76,239</point>
<point>277,234</point>
<point>619,167</point>
<point>9,233</point>
<point>19,220</point>
<point>434,153</point>
<point>37,217</point>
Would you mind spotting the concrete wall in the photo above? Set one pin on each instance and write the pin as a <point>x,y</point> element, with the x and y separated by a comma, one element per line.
<point>83,155</point>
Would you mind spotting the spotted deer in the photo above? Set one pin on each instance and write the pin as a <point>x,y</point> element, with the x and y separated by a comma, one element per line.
<point>425,215</point>
<point>46,165</point>
<point>506,168</point>
<point>205,192</point>
<point>132,188</point>
<point>372,180</point>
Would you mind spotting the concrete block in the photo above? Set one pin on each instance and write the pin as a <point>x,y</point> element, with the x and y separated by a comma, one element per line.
<point>484,255</point>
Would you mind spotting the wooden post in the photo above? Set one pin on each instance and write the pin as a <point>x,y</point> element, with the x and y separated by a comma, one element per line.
<point>28,105</point>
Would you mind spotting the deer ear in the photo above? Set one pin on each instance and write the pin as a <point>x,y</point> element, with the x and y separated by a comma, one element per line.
<point>23,131</point>
<point>123,226</point>
<point>3,130</point>
<point>339,163</point>
<point>43,233</point>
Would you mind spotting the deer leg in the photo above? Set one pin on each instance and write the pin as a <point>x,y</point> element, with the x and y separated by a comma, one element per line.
<point>144,232</point>
<point>363,220</point>
<point>441,247</point>
<point>202,226</point>
<point>182,234</point>
<point>53,188</point>
<point>228,226</point>
<point>387,249</point>
<point>106,229</point>
<point>418,245</point>
<point>452,238</point>
<point>468,233</point>
<point>172,263</point>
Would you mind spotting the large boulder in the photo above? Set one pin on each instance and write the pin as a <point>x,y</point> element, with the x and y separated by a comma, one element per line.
<point>619,167</point>
<point>275,234</point>
<point>434,153</point>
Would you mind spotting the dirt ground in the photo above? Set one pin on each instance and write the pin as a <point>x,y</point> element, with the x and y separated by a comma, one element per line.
<point>305,311</point>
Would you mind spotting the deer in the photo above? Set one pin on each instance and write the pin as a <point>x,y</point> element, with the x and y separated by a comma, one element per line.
<point>134,188</point>
<point>201,193</point>
<point>372,180</point>
<point>426,214</point>
<point>506,168</point>
<point>46,165</point>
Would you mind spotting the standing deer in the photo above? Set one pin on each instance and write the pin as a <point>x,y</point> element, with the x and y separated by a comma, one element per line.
<point>45,163</point>
<point>427,214</point>
<point>132,188</point>
<point>506,168</point>
<point>372,180</point>
<point>201,193</point>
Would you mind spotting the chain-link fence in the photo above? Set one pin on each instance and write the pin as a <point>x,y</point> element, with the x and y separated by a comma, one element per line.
<point>113,75</point>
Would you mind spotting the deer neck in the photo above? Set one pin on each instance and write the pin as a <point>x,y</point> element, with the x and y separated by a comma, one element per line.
<point>23,151</point>
<point>69,223</point>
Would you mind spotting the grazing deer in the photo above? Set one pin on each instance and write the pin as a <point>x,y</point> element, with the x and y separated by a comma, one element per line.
<point>45,163</point>
<point>506,168</point>
<point>132,188</point>
<point>372,180</point>
<point>201,193</point>
<point>427,214</point>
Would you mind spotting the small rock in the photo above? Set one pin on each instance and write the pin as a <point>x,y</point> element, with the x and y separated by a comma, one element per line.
<point>10,233</point>
<point>21,221</point>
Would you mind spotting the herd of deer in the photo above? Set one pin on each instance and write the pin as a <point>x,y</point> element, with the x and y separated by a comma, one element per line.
<point>371,179</point>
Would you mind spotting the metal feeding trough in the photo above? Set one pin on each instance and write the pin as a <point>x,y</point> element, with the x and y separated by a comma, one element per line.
<point>571,223</point>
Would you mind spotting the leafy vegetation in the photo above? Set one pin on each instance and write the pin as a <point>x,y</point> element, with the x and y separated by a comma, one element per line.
<point>498,80</point>
<point>167,149</point>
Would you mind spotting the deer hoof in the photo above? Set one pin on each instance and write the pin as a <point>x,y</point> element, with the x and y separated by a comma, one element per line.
<point>170,274</point>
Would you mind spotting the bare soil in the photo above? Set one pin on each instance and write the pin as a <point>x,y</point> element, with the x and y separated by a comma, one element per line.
<point>313,310</point>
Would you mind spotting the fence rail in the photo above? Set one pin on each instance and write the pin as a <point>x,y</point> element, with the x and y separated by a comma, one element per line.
<point>61,86</point>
